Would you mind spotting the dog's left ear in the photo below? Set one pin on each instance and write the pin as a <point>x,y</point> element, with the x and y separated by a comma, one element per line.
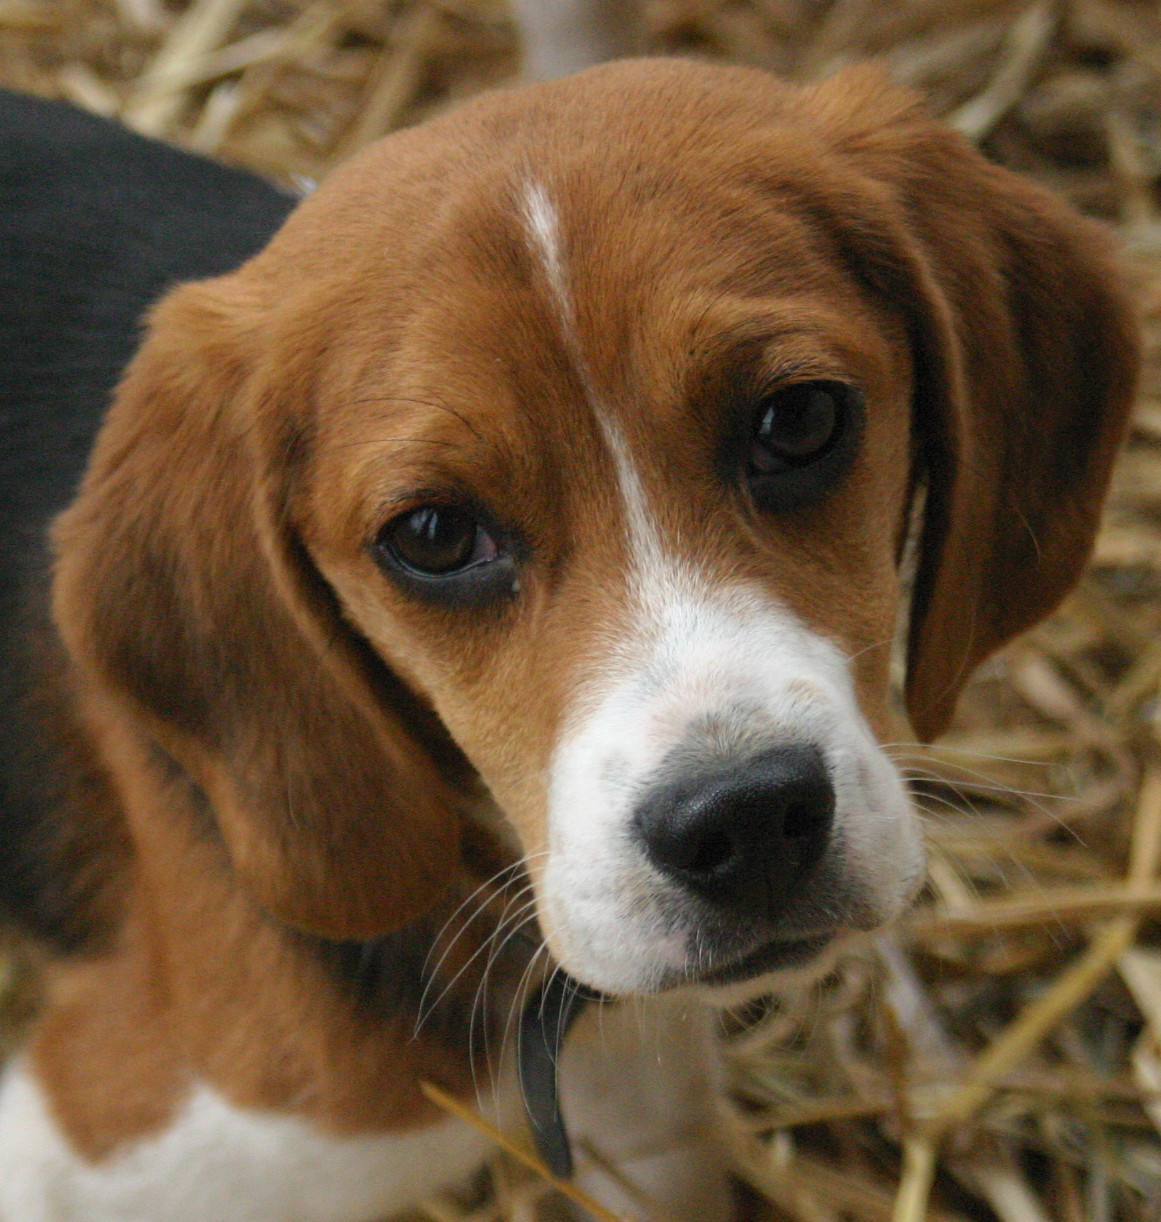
<point>1026,354</point>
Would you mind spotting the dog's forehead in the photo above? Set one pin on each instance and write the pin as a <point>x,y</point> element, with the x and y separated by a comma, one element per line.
<point>627,227</point>
<point>579,342</point>
<point>587,276</point>
<point>625,143</point>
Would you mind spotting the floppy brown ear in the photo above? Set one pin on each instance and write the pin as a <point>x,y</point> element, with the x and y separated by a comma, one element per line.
<point>1027,354</point>
<point>182,592</point>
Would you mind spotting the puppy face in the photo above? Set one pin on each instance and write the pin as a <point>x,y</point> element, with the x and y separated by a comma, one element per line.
<point>589,418</point>
<point>624,504</point>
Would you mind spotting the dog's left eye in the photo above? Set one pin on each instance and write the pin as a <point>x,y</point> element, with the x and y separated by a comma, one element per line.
<point>797,425</point>
<point>801,442</point>
<point>437,541</point>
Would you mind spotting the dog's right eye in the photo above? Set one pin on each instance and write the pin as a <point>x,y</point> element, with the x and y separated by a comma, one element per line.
<point>449,553</point>
<point>437,541</point>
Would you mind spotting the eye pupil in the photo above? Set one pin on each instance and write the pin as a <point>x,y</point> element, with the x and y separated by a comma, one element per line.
<point>434,540</point>
<point>797,425</point>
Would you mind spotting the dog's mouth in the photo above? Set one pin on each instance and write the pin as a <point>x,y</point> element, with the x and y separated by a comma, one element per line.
<point>771,956</point>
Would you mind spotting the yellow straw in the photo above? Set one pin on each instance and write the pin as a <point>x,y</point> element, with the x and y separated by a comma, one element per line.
<point>442,1099</point>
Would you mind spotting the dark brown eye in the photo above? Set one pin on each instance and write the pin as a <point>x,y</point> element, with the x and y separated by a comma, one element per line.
<point>800,443</point>
<point>797,425</point>
<point>437,540</point>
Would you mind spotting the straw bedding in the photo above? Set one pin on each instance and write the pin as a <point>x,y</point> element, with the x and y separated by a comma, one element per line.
<point>998,1055</point>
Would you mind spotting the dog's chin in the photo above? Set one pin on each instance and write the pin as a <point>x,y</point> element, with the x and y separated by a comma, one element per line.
<point>774,965</point>
<point>774,956</point>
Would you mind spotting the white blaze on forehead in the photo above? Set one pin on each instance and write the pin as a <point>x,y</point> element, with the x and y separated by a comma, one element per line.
<point>543,225</point>
<point>544,229</point>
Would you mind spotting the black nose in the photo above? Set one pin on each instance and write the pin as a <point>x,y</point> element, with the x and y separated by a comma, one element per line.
<point>744,837</point>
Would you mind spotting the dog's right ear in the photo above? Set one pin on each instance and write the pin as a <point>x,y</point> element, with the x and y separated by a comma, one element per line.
<point>185,597</point>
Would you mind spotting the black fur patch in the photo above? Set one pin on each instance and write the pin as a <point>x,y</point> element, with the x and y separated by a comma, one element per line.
<point>468,998</point>
<point>95,224</point>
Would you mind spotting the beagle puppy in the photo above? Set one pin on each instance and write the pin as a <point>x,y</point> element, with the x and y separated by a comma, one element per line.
<point>495,576</point>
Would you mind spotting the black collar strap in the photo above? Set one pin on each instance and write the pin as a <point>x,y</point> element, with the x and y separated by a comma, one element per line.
<point>547,1019</point>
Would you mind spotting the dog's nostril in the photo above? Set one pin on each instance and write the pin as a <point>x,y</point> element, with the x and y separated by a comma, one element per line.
<point>712,853</point>
<point>801,819</point>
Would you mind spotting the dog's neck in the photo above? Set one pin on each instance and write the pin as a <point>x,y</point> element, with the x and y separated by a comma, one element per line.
<point>201,985</point>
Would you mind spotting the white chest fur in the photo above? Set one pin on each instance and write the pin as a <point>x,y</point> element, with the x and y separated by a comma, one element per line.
<point>217,1161</point>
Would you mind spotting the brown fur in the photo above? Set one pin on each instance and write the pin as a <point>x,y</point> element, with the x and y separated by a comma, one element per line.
<point>297,744</point>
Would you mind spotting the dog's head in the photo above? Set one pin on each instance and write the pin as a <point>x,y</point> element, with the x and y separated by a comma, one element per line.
<point>569,443</point>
